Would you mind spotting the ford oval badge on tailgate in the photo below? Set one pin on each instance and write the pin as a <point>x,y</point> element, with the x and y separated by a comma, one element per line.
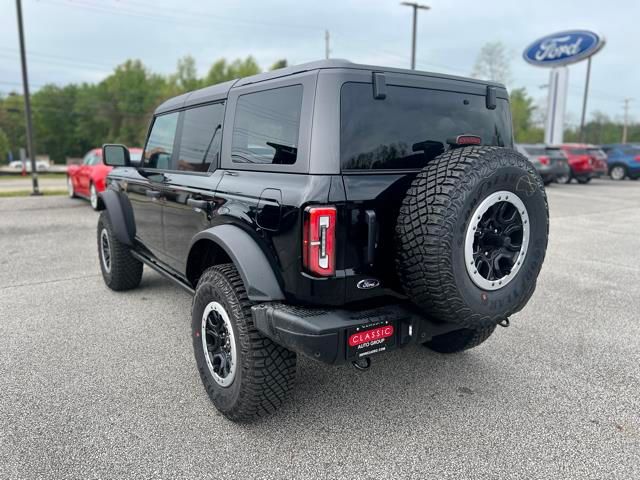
<point>368,283</point>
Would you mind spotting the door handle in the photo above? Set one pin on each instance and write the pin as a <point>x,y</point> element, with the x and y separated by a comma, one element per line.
<point>198,204</point>
<point>152,193</point>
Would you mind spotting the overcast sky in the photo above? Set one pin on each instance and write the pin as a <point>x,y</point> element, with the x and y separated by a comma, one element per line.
<point>82,40</point>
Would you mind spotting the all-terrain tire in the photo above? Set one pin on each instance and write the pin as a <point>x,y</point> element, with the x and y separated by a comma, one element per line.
<point>122,271</point>
<point>431,229</point>
<point>459,340</point>
<point>265,372</point>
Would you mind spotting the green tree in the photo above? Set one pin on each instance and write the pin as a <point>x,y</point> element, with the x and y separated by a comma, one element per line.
<point>4,147</point>
<point>186,77</point>
<point>54,122</point>
<point>493,63</point>
<point>12,121</point>
<point>282,63</point>
<point>127,99</point>
<point>221,71</point>
<point>522,110</point>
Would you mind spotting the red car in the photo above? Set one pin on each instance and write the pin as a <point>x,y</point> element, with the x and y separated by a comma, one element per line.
<point>600,166</point>
<point>89,178</point>
<point>581,161</point>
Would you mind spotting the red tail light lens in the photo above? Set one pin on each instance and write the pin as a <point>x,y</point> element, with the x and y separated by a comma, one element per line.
<point>319,241</point>
<point>544,160</point>
<point>637,158</point>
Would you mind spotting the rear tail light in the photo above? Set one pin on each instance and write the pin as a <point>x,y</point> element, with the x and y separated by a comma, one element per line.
<point>319,241</point>
<point>544,160</point>
<point>637,158</point>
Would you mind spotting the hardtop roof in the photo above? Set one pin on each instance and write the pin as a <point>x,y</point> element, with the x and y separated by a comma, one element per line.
<point>221,91</point>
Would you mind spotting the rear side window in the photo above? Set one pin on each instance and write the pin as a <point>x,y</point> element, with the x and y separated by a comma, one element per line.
<point>411,125</point>
<point>266,126</point>
<point>200,140</point>
<point>157,153</point>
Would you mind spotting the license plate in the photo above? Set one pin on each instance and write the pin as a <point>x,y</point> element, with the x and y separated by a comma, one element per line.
<point>369,339</point>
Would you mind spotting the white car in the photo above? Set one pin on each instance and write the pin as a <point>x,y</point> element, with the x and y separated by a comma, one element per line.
<point>41,165</point>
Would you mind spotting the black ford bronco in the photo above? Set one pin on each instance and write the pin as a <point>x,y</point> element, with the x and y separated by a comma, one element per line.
<point>332,210</point>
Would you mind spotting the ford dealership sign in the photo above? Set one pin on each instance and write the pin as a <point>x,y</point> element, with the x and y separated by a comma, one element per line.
<point>563,48</point>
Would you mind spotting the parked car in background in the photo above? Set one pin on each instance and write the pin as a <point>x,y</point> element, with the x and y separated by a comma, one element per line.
<point>87,180</point>
<point>41,165</point>
<point>581,161</point>
<point>623,160</point>
<point>550,162</point>
<point>600,167</point>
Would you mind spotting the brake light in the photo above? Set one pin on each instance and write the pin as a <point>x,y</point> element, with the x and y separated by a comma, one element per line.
<point>637,158</point>
<point>319,241</point>
<point>544,160</point>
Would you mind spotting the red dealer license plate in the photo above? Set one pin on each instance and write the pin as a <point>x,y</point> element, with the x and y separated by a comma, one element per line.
<point>369,339</point>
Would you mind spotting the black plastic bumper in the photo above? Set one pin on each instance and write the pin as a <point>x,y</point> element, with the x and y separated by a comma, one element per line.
<point>322,334</point>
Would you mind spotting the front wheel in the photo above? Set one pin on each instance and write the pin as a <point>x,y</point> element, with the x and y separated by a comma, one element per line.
<point>245,374</point>
<point>584,180</point>
<point>120,270</point>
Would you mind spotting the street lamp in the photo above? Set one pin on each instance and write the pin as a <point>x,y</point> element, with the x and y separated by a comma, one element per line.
<point>415,7</point>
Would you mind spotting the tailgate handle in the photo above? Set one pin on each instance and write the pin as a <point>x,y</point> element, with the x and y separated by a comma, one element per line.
<point>372,235</point>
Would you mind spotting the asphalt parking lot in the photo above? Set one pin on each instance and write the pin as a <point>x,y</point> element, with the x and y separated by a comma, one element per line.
<point>98,384</point>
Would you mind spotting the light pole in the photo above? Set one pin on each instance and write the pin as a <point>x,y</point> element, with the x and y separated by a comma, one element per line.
<point>415,7</point>
<point>626,119</point>
<point>27,103</point>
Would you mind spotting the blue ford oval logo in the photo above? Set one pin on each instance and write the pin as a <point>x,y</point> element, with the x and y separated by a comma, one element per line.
<point>368,283</point>
<point>563,48</point>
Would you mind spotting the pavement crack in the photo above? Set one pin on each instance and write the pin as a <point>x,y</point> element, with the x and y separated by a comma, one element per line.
<point>45,282</point>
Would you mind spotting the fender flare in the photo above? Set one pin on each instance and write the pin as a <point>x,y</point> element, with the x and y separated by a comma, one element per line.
<point>257,274</point>
<point>121,215</point>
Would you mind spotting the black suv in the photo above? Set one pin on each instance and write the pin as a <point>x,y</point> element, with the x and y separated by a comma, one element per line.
<point>332,210</point>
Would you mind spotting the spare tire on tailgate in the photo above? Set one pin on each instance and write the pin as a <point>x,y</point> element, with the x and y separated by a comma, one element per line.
<point>472,235</point>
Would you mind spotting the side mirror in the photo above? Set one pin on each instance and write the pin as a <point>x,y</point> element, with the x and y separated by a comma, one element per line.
<point>116,155</point>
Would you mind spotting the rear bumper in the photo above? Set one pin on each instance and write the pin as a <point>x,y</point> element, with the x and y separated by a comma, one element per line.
<point>550,172</point>
<point>322,334</point>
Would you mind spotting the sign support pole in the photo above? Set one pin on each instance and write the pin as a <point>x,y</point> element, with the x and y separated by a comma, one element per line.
<point>584,101</point>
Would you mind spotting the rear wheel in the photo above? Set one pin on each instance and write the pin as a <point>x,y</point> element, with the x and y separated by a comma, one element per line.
<point>618,172</point>
<point>584,180</point>
<point>245,374</point>
<point>460,340</point>
<point>120,270</point>
<point>472,236</point>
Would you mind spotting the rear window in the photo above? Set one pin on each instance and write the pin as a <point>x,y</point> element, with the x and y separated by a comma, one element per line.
<point>535,150</point>
<point>411,125</point>
<point>266,126</point>
<point>578,151</point>
<point>597,152</point>
<point>555,153</point>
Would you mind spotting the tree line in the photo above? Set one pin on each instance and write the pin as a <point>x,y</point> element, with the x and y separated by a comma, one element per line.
<point>68,121</point>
